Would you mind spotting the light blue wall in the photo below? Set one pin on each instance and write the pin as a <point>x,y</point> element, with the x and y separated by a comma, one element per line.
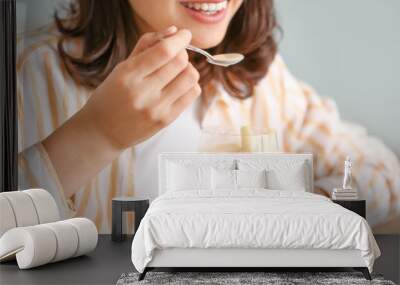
<point>348,50</point>
<point>35,13</point>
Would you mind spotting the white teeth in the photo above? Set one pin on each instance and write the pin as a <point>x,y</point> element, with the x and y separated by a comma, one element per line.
<point>208,8</point>
<point>212,7</point>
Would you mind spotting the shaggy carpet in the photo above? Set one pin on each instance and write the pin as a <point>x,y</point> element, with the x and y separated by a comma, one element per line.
<point>243,278</point>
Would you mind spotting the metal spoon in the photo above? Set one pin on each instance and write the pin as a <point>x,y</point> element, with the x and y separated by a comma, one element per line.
<point>225,59</point>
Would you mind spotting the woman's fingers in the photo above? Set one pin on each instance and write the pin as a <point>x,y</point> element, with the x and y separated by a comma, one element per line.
<point>160,54</point>
<point>186,80</point>
<point>180,105</point>
<point>150,39</point>
<point>163,76</point>
<point>176,74</point>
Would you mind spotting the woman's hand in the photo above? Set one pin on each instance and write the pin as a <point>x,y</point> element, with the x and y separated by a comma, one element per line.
<point>147,91</point>
<point>142,95</point>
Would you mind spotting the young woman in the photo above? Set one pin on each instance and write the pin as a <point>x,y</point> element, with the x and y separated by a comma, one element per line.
<point>112,86</point>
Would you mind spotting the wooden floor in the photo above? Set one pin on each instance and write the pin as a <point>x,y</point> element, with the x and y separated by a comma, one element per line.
<point>110,260</point>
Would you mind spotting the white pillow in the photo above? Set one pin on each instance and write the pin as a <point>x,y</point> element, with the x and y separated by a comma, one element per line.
<point>282,174</point>
<point>223,179</point>
<point>291,178</point>
<point>188,177</point>
<point>251,178</point>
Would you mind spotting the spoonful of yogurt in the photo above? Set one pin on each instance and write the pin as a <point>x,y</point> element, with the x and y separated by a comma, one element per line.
<point>225,59</point>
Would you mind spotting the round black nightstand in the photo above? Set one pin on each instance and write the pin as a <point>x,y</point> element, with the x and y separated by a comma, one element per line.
<point>126,204</point>
<point>356,206</point>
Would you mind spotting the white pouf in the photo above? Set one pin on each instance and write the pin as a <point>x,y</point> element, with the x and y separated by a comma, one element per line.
<point>67,237</point>
<point>27,208</point>
<point>45,205</point>
<point>23,208</point>
<point>37,245</point>
<point>7,220</point>
<point>31,232</point>
<point>87,233</point>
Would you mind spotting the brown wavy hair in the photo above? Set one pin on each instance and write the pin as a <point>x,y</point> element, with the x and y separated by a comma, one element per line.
<point>108,39</point>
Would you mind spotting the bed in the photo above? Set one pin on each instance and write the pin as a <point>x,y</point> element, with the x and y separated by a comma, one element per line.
<point>246,211</point>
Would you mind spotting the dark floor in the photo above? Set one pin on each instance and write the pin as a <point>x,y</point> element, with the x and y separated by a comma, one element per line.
<point>110,260</point>
<point>102,266</point>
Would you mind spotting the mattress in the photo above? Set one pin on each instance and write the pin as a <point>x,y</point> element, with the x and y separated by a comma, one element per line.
<point>250,219</point>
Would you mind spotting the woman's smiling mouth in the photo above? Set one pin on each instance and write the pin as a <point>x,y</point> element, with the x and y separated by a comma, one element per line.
<point>208,11</point>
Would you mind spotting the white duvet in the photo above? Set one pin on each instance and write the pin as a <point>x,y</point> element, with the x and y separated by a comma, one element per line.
<point>250,219</point>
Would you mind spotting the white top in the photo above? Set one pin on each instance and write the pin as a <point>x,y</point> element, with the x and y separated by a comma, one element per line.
<point>182,135</point>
